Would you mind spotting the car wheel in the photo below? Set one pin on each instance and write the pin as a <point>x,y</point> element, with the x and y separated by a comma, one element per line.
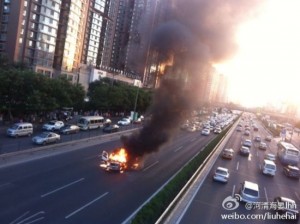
<point>16,136</point>
<point>44,143</point>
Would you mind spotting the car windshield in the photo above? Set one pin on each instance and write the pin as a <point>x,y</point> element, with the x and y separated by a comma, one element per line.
<point>51,122</point>
<point>221,172</point>
<point>43,135</point>
<point>251,192</point>
<point>15,127</point>
<point>270,166</point>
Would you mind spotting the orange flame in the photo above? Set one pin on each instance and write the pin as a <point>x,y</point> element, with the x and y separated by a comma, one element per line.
<point>119,155</point>
<point>169,62</point>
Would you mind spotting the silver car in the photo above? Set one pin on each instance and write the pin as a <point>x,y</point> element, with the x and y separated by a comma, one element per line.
<point>46,138</point>
<point>221,174</point>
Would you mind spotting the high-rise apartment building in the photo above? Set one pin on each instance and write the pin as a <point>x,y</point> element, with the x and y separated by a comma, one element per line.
<point>29,32</point>
<point>53,36</point>
<point>70,36</point>
<point>98,19</point>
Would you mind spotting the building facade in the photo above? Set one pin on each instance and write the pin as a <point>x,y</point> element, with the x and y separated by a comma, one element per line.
<point>75,37</point>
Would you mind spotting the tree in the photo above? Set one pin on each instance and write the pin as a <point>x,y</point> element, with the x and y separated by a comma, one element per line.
<point>23,92</point>
<point>118,96</point>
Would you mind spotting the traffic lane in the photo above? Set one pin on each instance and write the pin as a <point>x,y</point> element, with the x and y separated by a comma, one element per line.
<point>9,144</point>
<point>207,206</point>
<point>52,180</point>
<point>280,185</point>
<point>248,170</point>
<point>161,168</point>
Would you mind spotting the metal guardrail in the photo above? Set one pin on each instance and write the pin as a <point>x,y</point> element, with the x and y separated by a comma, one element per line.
<point>54,147</point>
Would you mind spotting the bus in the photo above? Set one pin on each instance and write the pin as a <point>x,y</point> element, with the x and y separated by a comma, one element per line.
<point>90,122</point>
<point>288,154</point>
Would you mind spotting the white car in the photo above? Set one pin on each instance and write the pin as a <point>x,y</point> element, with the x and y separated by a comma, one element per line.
<point>53,125</point>
<point>124,121</point>
<point>217,130</point>
<point>221,174</point>
<point>271,157</point>
<point>227,153</point>
<point>205,131</point>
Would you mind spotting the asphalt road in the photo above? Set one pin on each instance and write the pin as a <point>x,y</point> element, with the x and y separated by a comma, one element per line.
<point>72,188</point>
<point>10,144</point>
<point>207,207</point>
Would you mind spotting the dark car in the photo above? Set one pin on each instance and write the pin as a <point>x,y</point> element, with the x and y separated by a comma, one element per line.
<point>292,171</point>
<point>245,151</point>
<point>111,128</point>
<point>288,207</point>
<point>69,129</point>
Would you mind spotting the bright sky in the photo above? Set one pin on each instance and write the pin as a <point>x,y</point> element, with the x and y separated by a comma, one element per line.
<point>266,68</point>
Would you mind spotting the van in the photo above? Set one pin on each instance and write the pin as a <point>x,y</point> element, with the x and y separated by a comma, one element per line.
<point>249,192</point>
<point>269,167</point>
<point>20,129</point>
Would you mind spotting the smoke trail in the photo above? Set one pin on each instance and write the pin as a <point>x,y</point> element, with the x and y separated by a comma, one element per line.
<point>196,34</point>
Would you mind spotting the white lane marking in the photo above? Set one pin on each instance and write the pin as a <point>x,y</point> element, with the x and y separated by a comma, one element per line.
<point>233,190</point>
<point>250,157</point>
<point>65,186</point>
<point>148,167</point>
<point>237,165</point>
<point>178,148</point>
<point>297,195</point>
<point>257,154</point>
<point>17,219</point>
<point>88,204</point>
<point>35,220</point>
<point>27,219</point>
<point>266,194</point>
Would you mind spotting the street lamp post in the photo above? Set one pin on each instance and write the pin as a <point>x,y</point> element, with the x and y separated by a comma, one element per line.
<point>135,103</point>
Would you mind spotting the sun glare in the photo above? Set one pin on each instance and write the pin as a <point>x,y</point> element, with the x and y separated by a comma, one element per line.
<point>266,68</point>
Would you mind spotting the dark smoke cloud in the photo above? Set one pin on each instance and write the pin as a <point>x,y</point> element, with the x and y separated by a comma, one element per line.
<point>196,33</point>
<point>167,111</point>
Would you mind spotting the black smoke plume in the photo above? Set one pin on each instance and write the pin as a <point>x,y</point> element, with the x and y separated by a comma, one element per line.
<point>195,34</point>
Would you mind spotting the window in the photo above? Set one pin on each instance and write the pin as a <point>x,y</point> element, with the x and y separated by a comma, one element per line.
<point>4,18</point>
<point>6,9</point>
<point>4,27</point>
<point>3,36</point>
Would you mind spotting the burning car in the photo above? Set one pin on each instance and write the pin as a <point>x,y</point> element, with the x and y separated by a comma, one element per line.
<point>118,161</point>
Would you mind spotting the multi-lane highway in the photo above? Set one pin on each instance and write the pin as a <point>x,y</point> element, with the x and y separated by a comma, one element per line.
<point>72,188</point>
<point>10,144</point>
<point>207,206</point>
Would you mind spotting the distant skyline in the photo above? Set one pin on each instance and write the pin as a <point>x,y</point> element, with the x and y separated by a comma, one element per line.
<point>266,68</point>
